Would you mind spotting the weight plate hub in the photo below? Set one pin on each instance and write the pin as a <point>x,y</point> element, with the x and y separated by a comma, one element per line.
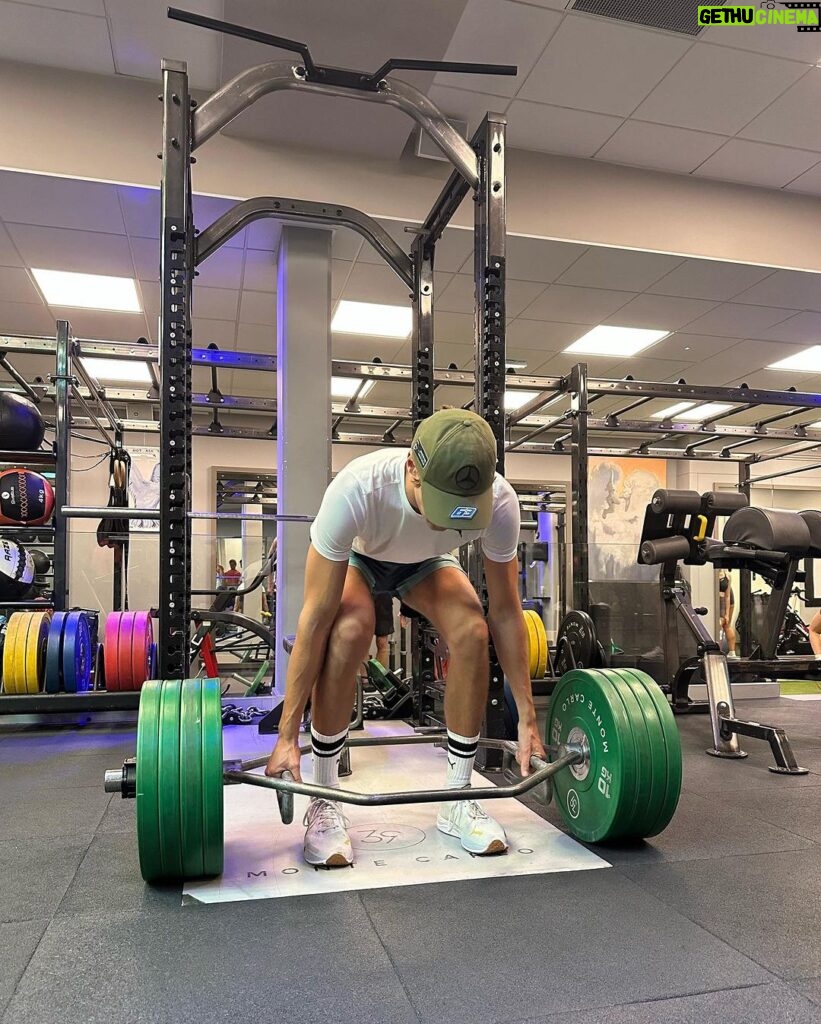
<point>179,779</point>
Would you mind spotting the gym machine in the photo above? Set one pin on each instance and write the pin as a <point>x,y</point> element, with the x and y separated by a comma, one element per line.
<point>678,526</point>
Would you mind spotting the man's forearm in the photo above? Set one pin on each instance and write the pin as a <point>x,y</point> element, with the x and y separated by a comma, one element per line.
<point>510,640</point>
<point>304,667</point>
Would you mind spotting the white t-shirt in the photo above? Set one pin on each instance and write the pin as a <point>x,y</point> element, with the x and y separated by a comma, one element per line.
<point>366,510</point>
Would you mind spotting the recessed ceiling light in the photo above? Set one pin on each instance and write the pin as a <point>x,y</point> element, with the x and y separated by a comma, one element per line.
<point>616,341</point>
<point>516,399</point>
<point>121,371</point>
<point>672,410</point>
<point>88,291</point>
<point>373,319</point>
<point>345,387</point>
<point>808,360</point>
<point>704,412</point>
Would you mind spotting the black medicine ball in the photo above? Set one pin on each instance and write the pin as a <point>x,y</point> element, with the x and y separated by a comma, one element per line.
<point>21,425</point>
<point>42,563</point>
<point>16,570</point>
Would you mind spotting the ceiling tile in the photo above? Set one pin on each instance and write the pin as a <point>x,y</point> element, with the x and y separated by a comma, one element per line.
<point>9,257</point>
<point>775,40</point>
<point>260,271</point>
<point>734,320</point>
<point>786,288</point>
<point>150,291</point>
<point>576,305</point>
<point>690,347</point>
<point>355,247</point>
<point>103,325</point>
<point>539,259</point>
<point>458,296</point>
<point>709,279</point>
<point>465,105</point>
<point>659,146</point>
<point>447,353</point>
<point>501,32</point>
<point>746,83</point>
<point>619,269</point>
<point>340,272</point>
<point>724,367</point>
<point>369,283</point>
<point>60,202</point>
<point>141,210</point>
<point>257,338</point>
<point>541,335</point>
<point>755,163</point>
<point>146,254</point>
<point>560,363</point>
<point>802,329</point>
<point>453,328</point>
<point>264,234</point>
<point>809,183</point>
<point>649,368</point>
<point>454,251</point>
<point>81,251</point>
<point>599,65</point>
<point>222,269</point>
<point>258,308</point>
<point>659,312</point>
<point>17,286</point>
<point>142,35</point>
<point>215,303</point>
<point>26,318</point>
<point>39,35</point>
<point>519,295</point>
<point>208,331</point>
<point>78,6</point>
<point>548,129</point>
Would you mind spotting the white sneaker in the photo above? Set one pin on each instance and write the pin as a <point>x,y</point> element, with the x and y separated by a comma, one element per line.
<point>476,830</point>
<point>327,843</point>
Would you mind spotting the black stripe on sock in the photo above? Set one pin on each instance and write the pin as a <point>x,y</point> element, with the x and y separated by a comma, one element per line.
<point>461,749</point>
<point>323,746</point>
<point>327,753</point>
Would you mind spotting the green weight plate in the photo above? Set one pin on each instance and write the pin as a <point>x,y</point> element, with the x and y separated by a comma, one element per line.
<point>191,778</point>
<point>672,746</point>
<point>148,815</point>
<point>168,778</point>
<point>596,798</point>
<point>212,802</point>
<point>648,792</point>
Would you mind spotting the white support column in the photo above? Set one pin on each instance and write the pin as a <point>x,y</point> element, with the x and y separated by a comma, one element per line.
<point>303,411</point>
<point>252,556</point>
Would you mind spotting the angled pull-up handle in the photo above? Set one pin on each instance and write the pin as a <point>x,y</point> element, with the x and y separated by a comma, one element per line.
<point>338,76</point>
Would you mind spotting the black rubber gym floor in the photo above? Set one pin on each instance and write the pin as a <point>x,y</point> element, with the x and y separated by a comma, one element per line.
<point>717,920</point>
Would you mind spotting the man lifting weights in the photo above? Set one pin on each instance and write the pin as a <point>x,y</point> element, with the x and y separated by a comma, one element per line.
<point>386,525</point>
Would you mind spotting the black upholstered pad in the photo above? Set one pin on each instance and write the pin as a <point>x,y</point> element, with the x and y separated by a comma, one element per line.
<point>768,530</point>
<point>813,520</point>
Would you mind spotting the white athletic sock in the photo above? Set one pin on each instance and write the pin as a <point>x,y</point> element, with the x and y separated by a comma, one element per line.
<point>461,755</point>
<point>327,751</point>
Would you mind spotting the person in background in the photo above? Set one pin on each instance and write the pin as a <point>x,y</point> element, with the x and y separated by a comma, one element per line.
<point>233,579</point>
<point>815,635</point>
<point>727,611</point>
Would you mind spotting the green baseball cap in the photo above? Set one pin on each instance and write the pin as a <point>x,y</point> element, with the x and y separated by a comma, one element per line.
<point>454,451</point>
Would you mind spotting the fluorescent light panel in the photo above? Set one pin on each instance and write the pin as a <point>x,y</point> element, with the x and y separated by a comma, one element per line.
<point>372,319</point>
<point>88,291</point>
<point>616,341</point>
<point>808,360</point>
<point>516,399</point>
<point>692,412</point>
<point>120,371</point>
<point>345,387</point>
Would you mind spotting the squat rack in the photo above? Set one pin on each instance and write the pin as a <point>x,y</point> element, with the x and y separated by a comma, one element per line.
<point>478,166</point>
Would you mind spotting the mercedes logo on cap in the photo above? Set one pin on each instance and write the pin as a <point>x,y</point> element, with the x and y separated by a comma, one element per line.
<point>467,478</point>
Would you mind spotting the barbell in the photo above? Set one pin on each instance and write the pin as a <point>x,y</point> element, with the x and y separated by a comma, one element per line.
<point>614,768</point>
